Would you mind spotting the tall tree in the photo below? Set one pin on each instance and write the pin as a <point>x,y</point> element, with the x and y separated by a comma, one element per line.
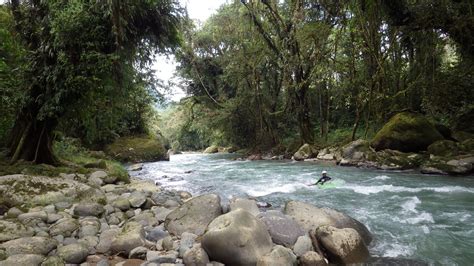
<point>75,46</point>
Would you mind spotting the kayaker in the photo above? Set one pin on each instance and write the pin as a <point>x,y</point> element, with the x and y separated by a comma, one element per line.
<point>325,178</point>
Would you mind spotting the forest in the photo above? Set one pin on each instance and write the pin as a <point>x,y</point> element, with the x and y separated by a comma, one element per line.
<point>259,75</point>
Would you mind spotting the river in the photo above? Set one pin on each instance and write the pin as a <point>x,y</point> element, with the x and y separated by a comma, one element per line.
<point>414,216</point>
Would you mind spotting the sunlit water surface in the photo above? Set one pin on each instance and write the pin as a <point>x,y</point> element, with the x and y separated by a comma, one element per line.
<point>428,218</point>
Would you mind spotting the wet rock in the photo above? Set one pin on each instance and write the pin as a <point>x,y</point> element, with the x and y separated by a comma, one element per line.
<point>64,227</point>
<point>194,215</point>
<point>344,246</point>
<point>311,217</point>
<point>131,236</point>
<point>187,242</point>
<point>89,227</point>
<point>195,256</point>
<point>171,204</point>
<point>105,240</point>
<point>211,149</point>
<point>29,245</point>
<point>244,204</point>
<point>138,253</point>
<point>236,238</point>
<point>23,259</point>
<point>282,228</point>
<point>13,230</point>
<point>90,242</point>
<point>312,258</point>
<point>73,253</point>
<point>135,167</point>
<point>89,209</point>
<point>184,195</point>
<point>303,245</point>
<point>278,256</point>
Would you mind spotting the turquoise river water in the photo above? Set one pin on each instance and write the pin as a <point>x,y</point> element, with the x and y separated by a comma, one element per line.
<point>412,216</point>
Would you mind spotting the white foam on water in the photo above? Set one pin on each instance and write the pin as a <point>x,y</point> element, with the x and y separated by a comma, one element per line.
<point>397,250</point>
<point>367,190</point>
<point>423,217</point>
<point>382,177</point>
<point>426,229</point>
<point>410,205</point>
<point>263,190</point>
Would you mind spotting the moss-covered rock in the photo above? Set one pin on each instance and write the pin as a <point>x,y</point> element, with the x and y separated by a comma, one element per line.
<point>396,160</point>
<point>406,132</point>
<point>211,149</point>
<point>444,148</point>
<point>137,149</point>
<point>305,152</point>
<point>462,165</point>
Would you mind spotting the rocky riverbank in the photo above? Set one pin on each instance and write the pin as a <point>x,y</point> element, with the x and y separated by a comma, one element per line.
<point>95,220</point>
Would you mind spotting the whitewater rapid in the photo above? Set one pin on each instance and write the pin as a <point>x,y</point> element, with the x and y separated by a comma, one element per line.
<point>413,216</point>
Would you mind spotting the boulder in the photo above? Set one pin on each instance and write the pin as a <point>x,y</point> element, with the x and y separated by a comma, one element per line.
<point>89,209</point>
<point>121,203</point>
<point>303,245</point>
<point>187,242</point>
<point>195,256</point>
<point>64,227</point>
<point>312,217</point>
<point>35,215</point>
<point>138,253</point>
<point>156,234</point>
<point>105,240</point>
<point>443,166</point>
<point>137,199</point>
<point>350,151</point>
<point>161,258</point>
<point>305,152</point>
<point>282,228</point>
<point>53,261</point>
<point>12,230</point>
<point>194,215</point>
<point>135,167</point>
<point>23,259</point>
<point>90,226</point>
<point>406,132</point>
<point>30,245</point>
<point>211,149</point>
<point>131,236</point>
<point>73,253</point>
<point>312,258</point>
<point>444,148</point>
<point>279,256</point>
<point>236,238</point>
<point>245,204</point>
<point>343,246</point>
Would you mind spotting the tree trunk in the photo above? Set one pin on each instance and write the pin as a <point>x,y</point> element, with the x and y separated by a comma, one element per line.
<point>31,140</point>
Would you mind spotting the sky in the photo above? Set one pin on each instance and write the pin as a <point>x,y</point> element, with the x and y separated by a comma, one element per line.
<point>165,66</point>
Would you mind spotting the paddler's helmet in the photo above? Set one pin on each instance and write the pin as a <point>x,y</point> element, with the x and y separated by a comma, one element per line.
<point>324,172</point>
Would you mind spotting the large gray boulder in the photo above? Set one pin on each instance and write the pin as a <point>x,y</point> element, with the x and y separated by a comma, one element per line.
<point>194,215</point>
<point>282,228</point>
<point>131,236</point>
<point>343,246</point>
<point>312,217</point>
<point>303,245</point>
<point>279,256</point>
<point>245,204</point>
<point>236,238</point>
<point>23,259</point>
<point>30,245</point>
<point>12,230</point>
<point>73,253</point>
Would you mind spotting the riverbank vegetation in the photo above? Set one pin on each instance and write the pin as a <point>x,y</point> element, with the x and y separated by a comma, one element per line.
<point>266,75</point>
